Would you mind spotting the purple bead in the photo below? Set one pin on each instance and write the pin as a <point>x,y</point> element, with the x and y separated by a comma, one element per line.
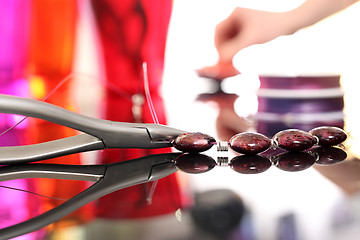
<point>329,136</point>
<point>294,140</point>
<point>193,142</point>
<point>249,143</point>
<point>250,164</point>
<point>329,155</point>
<point>194,163</point>
<point>294,161</point>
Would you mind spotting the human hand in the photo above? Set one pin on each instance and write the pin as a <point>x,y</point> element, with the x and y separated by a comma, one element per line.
<point>228,122</point>
<point>246,27</point>
<point>218,71</point>
<point>243,28</point>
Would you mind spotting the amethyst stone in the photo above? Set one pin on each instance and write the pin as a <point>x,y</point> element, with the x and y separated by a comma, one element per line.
<point>249,143</point>
<point>294,140</point>
<point>329,136</point>
<point>193,142</point>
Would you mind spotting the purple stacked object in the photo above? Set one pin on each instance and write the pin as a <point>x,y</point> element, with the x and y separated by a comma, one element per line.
<point>301,102</point>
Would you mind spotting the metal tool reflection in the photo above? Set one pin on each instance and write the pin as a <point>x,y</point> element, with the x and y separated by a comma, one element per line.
<point>108,178</point>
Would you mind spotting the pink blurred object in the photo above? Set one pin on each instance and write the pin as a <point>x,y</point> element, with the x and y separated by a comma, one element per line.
<point>14,37</point>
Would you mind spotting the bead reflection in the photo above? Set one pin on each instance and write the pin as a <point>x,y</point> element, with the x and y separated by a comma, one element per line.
<point>250,164</point>
<point>329,155</point>
<point>194,163</point>
<point>294,161</point>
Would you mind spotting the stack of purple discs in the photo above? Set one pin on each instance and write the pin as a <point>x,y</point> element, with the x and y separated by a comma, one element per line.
<point>301,102</point>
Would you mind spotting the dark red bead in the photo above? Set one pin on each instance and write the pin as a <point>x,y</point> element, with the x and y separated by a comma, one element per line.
<point>329,136</point>
<point>294,140</point>
<point>250,164</point>
<point>294,161</point>
<point>194,163</point>
<point>329,155</point>
<point>193,142</point>
<point>249,143</point>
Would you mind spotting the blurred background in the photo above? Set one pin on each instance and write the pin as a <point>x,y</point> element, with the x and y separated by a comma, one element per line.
<point>275,204</point>
<point>329,47</point>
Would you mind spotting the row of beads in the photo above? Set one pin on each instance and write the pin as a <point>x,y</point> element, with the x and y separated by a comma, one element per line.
<point>254,143</point>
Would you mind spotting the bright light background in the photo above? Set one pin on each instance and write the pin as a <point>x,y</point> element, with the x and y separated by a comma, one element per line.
<point>332,46</point>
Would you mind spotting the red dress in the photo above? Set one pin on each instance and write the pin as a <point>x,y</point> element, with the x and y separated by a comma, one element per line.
<point>133,32</point>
